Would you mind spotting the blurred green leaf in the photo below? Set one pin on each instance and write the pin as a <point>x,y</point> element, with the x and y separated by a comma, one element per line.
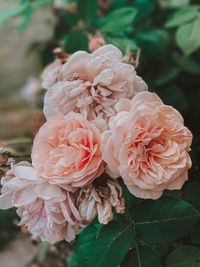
<point>174,3</point>
<point>188,64</point>
<point>76,40</point>
<point>6,14</point>
<point>153,42</point>
<point>195,235</point>
<point>144,7</point>
<point>164,220</point>
<point>186,256</point>
<point>117,20</point>
<point>122,43</point>
<point>167,75</point>
<point>88,9</point>
<point>173,96</point>
<point>26,19</point>
<point>182,16</point>
<point>188,37</point>
<point>141,257</point>
<point>192,194</point>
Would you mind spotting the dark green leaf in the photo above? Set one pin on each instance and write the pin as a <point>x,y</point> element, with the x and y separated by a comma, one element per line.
<point>188,37</point>
<point>188,64</point>
<point>141,257</point>
<point>167,75</point>
<point>182,16</point>
<point>104,247</point>
<point>192,194</point>
<point>76,40</point>
<point>153,42</point>
<point>164,220</point>
<point>186,256</point>
<point>144,7</point>
<point>88,9</point>
<point>195,235</point>
<point>112,23</point>
<point>173,96</point>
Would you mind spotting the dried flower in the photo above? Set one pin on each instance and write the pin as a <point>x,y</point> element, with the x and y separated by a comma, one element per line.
<point>99,199</point>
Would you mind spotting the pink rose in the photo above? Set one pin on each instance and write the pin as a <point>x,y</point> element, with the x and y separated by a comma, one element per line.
<point>92,84</point>
<point>67,151</point>
<point>147,146</point>
<point>47,210</point>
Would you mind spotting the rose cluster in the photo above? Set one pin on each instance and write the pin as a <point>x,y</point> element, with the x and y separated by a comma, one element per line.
<point>102,124</point>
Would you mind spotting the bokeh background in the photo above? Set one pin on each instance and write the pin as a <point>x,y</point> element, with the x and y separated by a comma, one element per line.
<point>162,39</point>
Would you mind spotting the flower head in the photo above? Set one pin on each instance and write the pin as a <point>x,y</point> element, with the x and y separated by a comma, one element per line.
<point>47,210</point>
<point>148,146</point>
<point>91,84</point>
<point>67,151</point>
<point>99,199</point>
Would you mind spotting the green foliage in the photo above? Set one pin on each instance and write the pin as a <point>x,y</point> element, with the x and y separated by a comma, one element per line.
<point>152,222</point>
<point>88,9</point>
<point>104,244</point>
<point>112,23</point>
<point>186,256</point>
<point>164,220</point>
<point>142,256</point>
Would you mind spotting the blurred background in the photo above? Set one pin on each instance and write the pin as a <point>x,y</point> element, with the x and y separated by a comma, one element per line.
<point>160,37</point>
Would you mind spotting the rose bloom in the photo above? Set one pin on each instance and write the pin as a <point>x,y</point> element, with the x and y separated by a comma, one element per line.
<point>67,151</point>
<point>147,145</point>
<point>45,209</point>
<point>91,84</point>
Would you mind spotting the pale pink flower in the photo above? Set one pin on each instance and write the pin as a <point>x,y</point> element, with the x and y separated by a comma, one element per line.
<point>51,74</point>
<point>148,146</point>
<point>47,210</point>
<point>67,151</point>
<point>92,84</point>
<point>99,199</point>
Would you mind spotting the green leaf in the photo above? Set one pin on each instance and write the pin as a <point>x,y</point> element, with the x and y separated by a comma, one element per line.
<point>153,42</point>
<point>192,194</point>
<point>188,37</point>
<point>186,256</point>
<point>27,16</point>
<point>88,9</point>
<point>104,247</point>
<point>195,235</point>
<point>188,64</point>
<point>112,23</point>
<point>122,43</point>
<point>141,257</point>
<point>167,75</point>
<point>173,96</point>
<point>144,7</point>
<point>6,14</point>
<point>182,16</point>
<point>164,220</point>
<point>76,40</point>
<point>174,3</point>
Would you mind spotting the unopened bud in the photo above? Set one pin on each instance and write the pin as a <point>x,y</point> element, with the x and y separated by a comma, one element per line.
<point>95,43</point>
